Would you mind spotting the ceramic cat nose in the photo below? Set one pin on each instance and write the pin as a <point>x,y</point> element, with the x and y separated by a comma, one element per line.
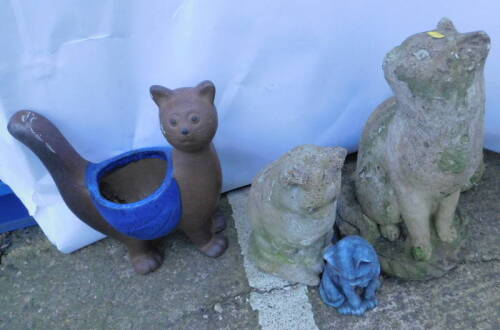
<point>185,131</point>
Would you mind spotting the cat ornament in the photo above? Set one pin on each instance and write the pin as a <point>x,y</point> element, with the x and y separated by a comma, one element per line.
<point>292,208</point>
<point>351,276</point>
<point>144,194</point>
<point>422,147</point>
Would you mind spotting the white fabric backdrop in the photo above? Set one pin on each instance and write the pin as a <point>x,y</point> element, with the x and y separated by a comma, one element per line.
<point>287,73</point>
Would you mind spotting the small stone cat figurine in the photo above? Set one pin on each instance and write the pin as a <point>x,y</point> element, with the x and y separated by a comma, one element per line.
<point>352,266</point>
<point>292,208</point>
<point>420,148</point>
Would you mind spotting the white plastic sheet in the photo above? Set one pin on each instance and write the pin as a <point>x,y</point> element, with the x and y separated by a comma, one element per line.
<point>287,73</point>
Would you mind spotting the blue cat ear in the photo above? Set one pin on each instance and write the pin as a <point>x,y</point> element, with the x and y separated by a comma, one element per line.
<point>362,261</point>
<point>328,255</point>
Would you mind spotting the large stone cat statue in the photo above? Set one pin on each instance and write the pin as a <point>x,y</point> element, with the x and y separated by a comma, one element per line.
<point>292,207</point>
<point>420,148</point>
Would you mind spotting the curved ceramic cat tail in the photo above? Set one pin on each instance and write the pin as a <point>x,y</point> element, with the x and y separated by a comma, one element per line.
<point>69,170</point>
<point>62,161</point>
<point>46,141</point>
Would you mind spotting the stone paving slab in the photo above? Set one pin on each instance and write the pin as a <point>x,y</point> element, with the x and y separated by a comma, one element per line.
<point>96,288</point>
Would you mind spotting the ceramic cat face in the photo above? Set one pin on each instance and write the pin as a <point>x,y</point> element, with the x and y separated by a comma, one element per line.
<point>437,65</point>
<point>188,117</point>
<point>353,260</point>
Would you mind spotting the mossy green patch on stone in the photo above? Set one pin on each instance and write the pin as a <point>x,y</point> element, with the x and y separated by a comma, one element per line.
<point>419,253</point>
<point>267,251</point>
<point>478,174</point>
<point>271,257</point>
<point>452,160</point>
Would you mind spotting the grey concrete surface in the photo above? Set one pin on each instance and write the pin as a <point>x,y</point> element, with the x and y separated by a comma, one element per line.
<point>96,288</point>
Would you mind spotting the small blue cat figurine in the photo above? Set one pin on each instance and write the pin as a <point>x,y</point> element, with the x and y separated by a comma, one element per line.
<point>352,267</point>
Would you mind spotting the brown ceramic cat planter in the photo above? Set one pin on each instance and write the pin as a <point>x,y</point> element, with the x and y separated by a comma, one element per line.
<point>144,194</point>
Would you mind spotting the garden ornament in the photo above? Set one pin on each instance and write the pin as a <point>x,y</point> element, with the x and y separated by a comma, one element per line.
<point>144,194</point>
<point>292,208</point>
<point>420,149</point>
<point>351,266</point>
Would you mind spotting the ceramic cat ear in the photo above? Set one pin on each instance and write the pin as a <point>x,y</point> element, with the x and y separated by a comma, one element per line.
<point>445,24</point>
<point>328,254</point>
<point>360,262</point>
<point>207,90</point>
<point>160,94</point>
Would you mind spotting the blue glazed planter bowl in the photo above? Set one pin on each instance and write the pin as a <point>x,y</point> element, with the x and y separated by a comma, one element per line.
<point>152,217</point>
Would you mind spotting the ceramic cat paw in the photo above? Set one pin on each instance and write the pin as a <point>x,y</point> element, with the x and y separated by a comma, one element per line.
<point>219,222</point>
<point>146,263</point>
<point>347,309</point>
<point>216,247</point>
<point>368,304</point>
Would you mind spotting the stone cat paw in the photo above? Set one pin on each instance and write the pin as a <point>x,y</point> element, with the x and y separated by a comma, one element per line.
<point>391,232</point>
<point>447,235</point>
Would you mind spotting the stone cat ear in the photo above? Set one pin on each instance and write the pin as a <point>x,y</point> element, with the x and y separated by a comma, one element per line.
<point>206,90</point>
<point>338,155</point>
<point>445,24</point>
<point>160,94</point>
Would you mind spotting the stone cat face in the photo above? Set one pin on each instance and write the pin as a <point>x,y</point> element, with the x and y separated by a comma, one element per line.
<point>307,190</point>
<point>437,66</point>
<point>187,115</point>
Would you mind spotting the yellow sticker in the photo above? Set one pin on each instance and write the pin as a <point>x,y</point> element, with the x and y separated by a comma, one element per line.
<point>435,34</point>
